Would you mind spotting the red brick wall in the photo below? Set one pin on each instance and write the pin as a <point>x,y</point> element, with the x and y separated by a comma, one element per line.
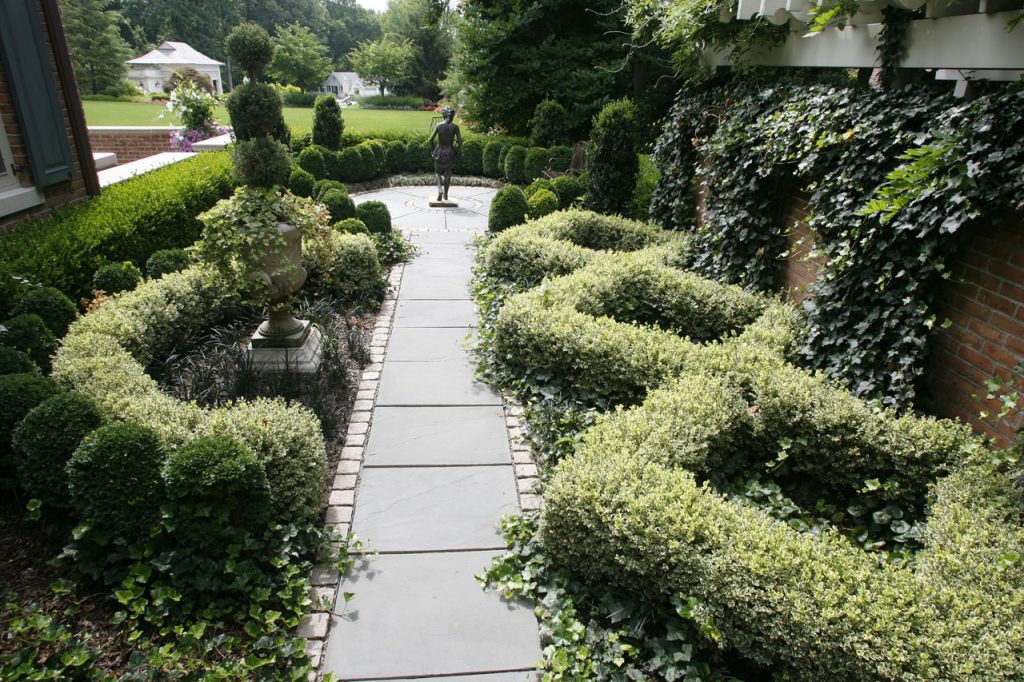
<point>57,195</point>
<point>984,301</point>
<point>130,143</point>
<point>798,270</point>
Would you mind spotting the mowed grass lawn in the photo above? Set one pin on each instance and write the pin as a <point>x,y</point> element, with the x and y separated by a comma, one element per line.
<point>299,120</point>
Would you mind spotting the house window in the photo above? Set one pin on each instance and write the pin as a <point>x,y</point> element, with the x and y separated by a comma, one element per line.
<point>13,197</point>
<point>7,177</point>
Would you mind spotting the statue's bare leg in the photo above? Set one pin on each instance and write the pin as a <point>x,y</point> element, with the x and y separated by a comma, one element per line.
<point>447,182</point>
<point>437,173</point>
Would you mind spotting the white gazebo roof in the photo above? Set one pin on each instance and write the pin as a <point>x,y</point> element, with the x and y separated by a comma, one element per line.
<point>175,53</point>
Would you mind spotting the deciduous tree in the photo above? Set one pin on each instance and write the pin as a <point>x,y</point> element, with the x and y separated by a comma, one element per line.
<point>299,57</point>
<point>383,62</point>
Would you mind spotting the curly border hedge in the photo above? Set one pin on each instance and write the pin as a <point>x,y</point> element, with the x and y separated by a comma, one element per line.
<point>628,509</point>
<point>104,356</point>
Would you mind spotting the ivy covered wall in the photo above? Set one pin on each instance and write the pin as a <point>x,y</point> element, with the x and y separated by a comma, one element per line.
<point>895,184</point>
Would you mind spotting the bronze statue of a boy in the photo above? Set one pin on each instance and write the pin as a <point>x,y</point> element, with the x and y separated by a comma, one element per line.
<point>446,152</point>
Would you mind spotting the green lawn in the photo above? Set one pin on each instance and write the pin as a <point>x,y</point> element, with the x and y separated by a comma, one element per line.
<point>299,120</point>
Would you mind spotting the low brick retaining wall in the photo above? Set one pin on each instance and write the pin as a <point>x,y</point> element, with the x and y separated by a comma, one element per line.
<point>131,143</point>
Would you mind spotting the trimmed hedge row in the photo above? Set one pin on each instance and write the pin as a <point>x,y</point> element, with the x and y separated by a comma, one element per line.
<point>538,331</point>
<point>627,509</point>
<point>128,222</point>
<point>807,608</point>
<point>104,357</point>
<point>564,241</point>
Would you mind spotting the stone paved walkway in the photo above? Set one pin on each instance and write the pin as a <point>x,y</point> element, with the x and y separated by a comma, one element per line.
<point>437,476</point>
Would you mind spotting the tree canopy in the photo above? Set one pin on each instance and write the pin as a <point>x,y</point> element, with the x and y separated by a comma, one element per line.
<point>509,56</point>
<point>98,52</point>
<point>425,25</point>
<point>384,61</point>
<point>299,57</point>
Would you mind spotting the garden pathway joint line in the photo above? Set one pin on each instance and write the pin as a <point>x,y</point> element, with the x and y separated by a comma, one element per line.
<point>437,474</point>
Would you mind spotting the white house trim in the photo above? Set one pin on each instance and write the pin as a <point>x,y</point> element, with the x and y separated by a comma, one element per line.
<point>956,40</point>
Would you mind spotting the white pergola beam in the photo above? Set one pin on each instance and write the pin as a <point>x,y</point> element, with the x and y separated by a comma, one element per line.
<point>972,41</point>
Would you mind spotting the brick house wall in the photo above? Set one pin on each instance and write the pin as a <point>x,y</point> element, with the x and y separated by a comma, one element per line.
<point>57,195</point>
<point>131,143</point>
<point>983,300</point>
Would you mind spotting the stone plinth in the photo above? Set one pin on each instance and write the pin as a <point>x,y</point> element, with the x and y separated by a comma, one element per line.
<point>303,359</point>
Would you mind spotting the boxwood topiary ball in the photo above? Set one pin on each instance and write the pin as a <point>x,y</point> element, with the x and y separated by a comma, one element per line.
<point>491,159</point>
<point>507,209</point>
<point>515,162</point>
<point>13,361</point>
<point>351,226</point>
<point>19,393</point>
<point>339,204</point>
<point>115,479</point>
<point>367,162</point>
<point>395,156</point>
<point>535,163</point>
<point>166,261</point>
<point>311,160</point>
<point>250,47</point>
<point>321,186</point>
<point>538,184</point>
<point>114,278</point>
<point>56,310</point>
<point>217,487</point>
<point>29,334</point>
<point>45,440</point>
<point>301,182</point>
<point>541,203</point>
<point>375,215</point>
<point>349,165</point>
<point>471,157</point>
<point>568,189</point>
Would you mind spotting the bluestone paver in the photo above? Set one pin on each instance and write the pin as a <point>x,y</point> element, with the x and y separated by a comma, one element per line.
<point>427,313</point>
<point>437,436</point>
<point>434,285</point>
<point>412,344</point>
<point>433,383</point>
<point>419,509</point>
<point>424,614</point>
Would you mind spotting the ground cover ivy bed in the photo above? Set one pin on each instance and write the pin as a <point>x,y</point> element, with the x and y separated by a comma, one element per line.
<point>800,532</point>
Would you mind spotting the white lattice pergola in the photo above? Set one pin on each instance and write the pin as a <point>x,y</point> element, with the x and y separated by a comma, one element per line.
<point>962,40</point>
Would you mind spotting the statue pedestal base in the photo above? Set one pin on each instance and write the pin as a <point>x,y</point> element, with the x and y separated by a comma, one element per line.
<point>303,358</point>
<point>294,340</point>
<point>446,203</point>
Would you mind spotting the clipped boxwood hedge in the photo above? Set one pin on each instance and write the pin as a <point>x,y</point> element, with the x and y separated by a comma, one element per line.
<point>562,242</point>
<point>105,354</point>
<point>129,221</point>
<point>628,508</point>
<point>808,608</point>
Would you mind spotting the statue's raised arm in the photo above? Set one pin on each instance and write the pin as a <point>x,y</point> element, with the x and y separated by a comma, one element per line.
<point>449,145</point>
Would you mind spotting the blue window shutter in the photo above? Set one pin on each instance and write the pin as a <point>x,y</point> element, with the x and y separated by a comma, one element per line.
<point>26,63</point>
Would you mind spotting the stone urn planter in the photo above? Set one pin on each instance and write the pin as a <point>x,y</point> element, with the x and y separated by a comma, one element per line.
<point>283,274</point>
<point>282,342</point>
